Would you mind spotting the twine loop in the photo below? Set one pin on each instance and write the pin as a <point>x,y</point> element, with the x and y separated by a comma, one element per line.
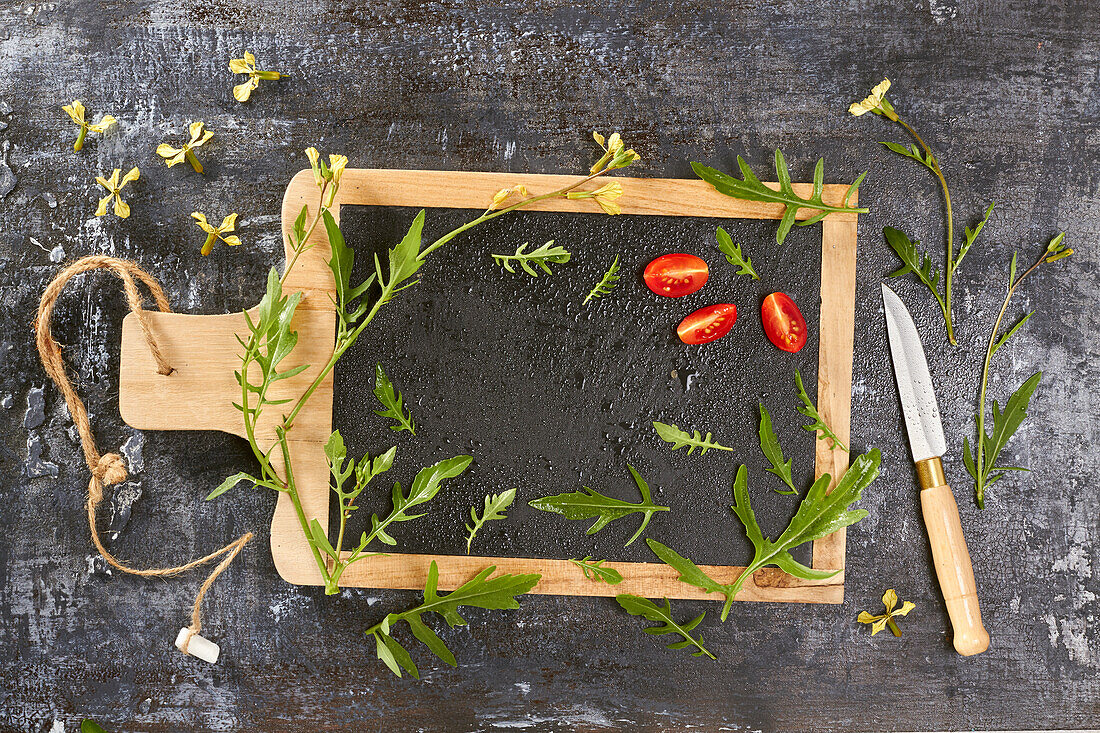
<point>110,468</point>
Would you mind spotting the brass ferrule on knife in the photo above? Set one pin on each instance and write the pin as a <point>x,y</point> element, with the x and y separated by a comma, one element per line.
<point>930,473</point>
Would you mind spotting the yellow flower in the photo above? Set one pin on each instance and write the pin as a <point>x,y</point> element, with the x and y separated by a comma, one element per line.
<point>605,196</point>
<point>76,114</point>
<point>214,233</point>
<point>114,186</point>
<point>875,102</point>
<point>506,193</point>
<point>336,166</point>
<point>199,137</point>
<point>247,65</point>
<point>878,623</point>
<point>615,155</point>
<point>328,174</point>
<point>314,156</point>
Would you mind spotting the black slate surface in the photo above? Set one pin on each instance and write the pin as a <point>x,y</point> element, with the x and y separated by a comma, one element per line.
<point>549,394</point>
<point>1006,92</point>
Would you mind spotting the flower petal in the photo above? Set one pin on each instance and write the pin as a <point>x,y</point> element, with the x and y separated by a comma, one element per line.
<point>238,66</point>
<point>890,599</point>
<point>113,180</point>
<point>195,130</point>
<point>122,209</point>
<point>101,210</point>
<point>611,208</point>
<point>165,150</point>
<point>200,219</point>
<point>242,92</point>
<point>878,625</point>
<point>103,182</point>
<point>104,124</point>
<point>76,111</point>
<point>880,89</point>
<point>232,240</point>
<point>250,60</point>
<point>177,158</point>
<point>866,618</point>
<point>133,175</point>
<point>905,608</point>
<point>229,223</point>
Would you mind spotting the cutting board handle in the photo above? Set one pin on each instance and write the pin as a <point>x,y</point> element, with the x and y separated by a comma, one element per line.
<point>953,568</point>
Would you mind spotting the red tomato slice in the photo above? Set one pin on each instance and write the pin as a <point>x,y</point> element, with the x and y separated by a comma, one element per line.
<point>783,322</point>
<point>707,324</point>
<point>676,275</point>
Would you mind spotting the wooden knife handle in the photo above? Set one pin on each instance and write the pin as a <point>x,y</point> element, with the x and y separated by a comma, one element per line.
<point>956,576</point>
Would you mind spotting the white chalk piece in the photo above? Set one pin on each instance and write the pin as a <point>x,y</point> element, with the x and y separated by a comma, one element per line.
<point>204,649</point>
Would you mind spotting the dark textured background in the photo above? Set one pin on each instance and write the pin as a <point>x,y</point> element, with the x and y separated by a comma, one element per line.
<point>1007,92</point>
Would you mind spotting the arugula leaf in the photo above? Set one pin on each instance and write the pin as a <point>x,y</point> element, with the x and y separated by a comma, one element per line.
<point>404,259</point>
<point>235,479</point>
<point>606,283</point>
<point>481,591</point>
<point>1005,425</point>
<point>425,486</point>
<point>809,410</point>
<point>495,504</point>
<point>971,235</point>
<point>819,514</point>
<point>90,726</point>
<point>270,342</point>
<point>927,160</point>
<point>591,503</point>
<point>392,400</point>
<point>593,570</point>
<point>916,262</point>
<point>769,445</point>
<point>544,256</point>
<point>365,471</point>
<point>682,439</point>
<point>647,609</point>
<point>733,254</point>
<point>750,188</point>
<point>341,262</point>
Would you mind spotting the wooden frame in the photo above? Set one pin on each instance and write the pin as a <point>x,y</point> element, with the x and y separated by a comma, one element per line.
<point>198,395</point>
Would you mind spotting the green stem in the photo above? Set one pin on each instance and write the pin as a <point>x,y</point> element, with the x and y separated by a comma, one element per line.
<point>979,459</point>
<point>494,214</point>
<point>949,267</point>
<point>192,160</point>
<point>292,489</point>
<point>79,144</point>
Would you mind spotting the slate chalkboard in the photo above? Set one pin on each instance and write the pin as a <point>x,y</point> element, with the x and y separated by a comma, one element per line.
<point>548,395</point>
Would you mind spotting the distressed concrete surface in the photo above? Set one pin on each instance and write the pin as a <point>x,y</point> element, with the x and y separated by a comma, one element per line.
<point>1007,92</point>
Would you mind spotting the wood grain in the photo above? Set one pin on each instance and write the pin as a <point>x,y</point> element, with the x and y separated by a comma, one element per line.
<point>199,395</point>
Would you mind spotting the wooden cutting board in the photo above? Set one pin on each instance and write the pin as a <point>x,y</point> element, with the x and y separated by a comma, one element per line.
<point>204,352</point>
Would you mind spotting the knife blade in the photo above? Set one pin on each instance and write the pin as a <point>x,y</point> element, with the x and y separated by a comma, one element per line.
<point>918,399</point>
<point>941,515</point>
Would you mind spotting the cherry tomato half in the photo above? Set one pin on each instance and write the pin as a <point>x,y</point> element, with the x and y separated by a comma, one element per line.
<point>707,324</point>
<point>783,322</point>
<point>676,275</point>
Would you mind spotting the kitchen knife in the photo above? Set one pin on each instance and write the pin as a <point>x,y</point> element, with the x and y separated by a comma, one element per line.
<point>941,514</point>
